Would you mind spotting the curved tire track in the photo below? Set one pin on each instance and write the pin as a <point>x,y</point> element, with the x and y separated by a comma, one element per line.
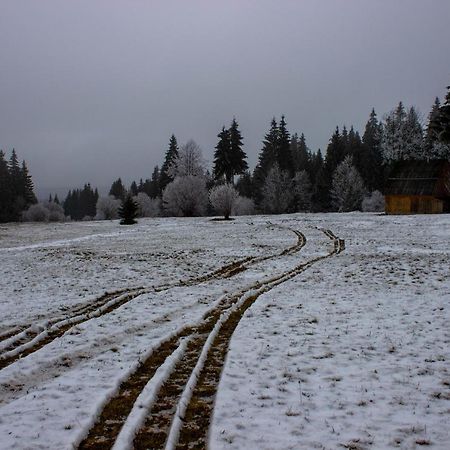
<point>105,431</point>
<point>32,339</point>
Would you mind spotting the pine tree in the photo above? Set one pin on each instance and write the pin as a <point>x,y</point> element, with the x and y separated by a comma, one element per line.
<point>284,157</point>
<point>321,185</point>
<point>27,185</point>
<point>171,155</point>
<point>370,165</point>
<point>244,185</point>
<point>134,189</point>
<point>6,195</point>
<point>238,156</point>
<point>301,157</point>
<point>128,211</point>
<point>223,164</point>
<point>118,190</point>
<point>56,199</point>
<point>267,158</point>
<point>155,182</point>
<point>439,127</point>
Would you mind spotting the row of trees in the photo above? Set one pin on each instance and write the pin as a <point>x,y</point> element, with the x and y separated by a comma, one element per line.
<point>16,188</point>
<point>288,177</point>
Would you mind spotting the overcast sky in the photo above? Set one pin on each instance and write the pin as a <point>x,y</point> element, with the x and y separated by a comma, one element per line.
<point>91,90</point>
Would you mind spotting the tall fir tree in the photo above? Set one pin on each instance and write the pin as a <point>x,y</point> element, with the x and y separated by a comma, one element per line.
<point>238,156</point>
<point>118,190</point>
<point>267,158</point>
<point>6,194</point>
<point>27,185</point>
<point>171,155</point>
<point>284,156</point>
<point>223,164</point>
<point>370,165</point>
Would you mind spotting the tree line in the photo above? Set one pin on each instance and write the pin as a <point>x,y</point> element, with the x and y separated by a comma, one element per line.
<point>288,176</point>
<point>16,188</point>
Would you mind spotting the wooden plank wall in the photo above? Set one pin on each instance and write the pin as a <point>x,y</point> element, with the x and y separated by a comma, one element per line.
<point>413,204</point>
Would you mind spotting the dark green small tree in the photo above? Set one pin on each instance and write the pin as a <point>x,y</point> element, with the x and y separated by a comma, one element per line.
<point>128,211</point>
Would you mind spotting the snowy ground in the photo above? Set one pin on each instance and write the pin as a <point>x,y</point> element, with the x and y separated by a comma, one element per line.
<point>353,353</point>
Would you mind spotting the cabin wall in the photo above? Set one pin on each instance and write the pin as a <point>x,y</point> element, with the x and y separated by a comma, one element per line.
<point>413,204</point>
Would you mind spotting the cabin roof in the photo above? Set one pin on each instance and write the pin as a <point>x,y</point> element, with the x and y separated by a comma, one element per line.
<point>420,178</point>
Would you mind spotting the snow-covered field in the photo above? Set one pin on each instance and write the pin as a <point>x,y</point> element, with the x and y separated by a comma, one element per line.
<point>354,352</point>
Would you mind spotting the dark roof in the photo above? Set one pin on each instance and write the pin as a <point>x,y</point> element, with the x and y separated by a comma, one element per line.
<point>419,178</point>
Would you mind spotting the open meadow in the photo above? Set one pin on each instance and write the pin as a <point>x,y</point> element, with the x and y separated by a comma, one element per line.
<point>295,331</point>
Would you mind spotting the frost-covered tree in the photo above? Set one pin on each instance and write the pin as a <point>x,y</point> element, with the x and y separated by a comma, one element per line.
<point>302,191</point>
<point>373,202</point>
<point>347,190</point>
<point>222,199</point>
<point>186,196</point>
<point>147,207</point>
<point>188,162</point>
<point>44,212</point>
<point>402,137</point>
<point>36,213</point>
<point>277,194</point>
<point>438,130</point>
<point>107,208</point>
<point>243,206</point>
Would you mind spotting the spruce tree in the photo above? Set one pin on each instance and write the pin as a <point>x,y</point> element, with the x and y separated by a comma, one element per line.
<point>370,165</point>
<point>128,211</point>
<point>171,155</point>
<point>118,190</point>
<point>27,185</point>
<point>284,157</point>
<point>440,124</point>
<point>134,188</point>
<point>155,187</point>
<point>238,156</point>
<point>6,194</point>
<point>223,164</point>
<point>267,158</point>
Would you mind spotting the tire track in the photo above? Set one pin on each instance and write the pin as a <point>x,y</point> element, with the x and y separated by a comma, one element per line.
<point>32,339</point>
<point>105,431</point>
<point>190,431</point>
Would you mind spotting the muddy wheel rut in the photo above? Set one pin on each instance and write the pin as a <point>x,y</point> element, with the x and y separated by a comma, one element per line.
<point>21,342</point>
<point>188,429</point>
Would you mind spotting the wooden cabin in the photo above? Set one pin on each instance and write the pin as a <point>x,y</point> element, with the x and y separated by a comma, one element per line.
<point>418,187</point>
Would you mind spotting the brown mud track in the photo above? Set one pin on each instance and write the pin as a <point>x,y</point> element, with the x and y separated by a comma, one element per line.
<point>58,327</point>
<point>105,431</point>
<point>195,420</point>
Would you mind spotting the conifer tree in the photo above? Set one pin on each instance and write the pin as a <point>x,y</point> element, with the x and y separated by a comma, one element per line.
<point>172,153</point>
<point>128,211</point>
<point>6,195</point>
<point>439,126</point>
<point>238,156</point>
<point>118,190</point>
<point>370,165</point>
<point>284,156</point>
<point>223,163</point>
<point>134,188</point>
<point>27,185</point>
<point>153,185</point>
<point>267,158</point>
